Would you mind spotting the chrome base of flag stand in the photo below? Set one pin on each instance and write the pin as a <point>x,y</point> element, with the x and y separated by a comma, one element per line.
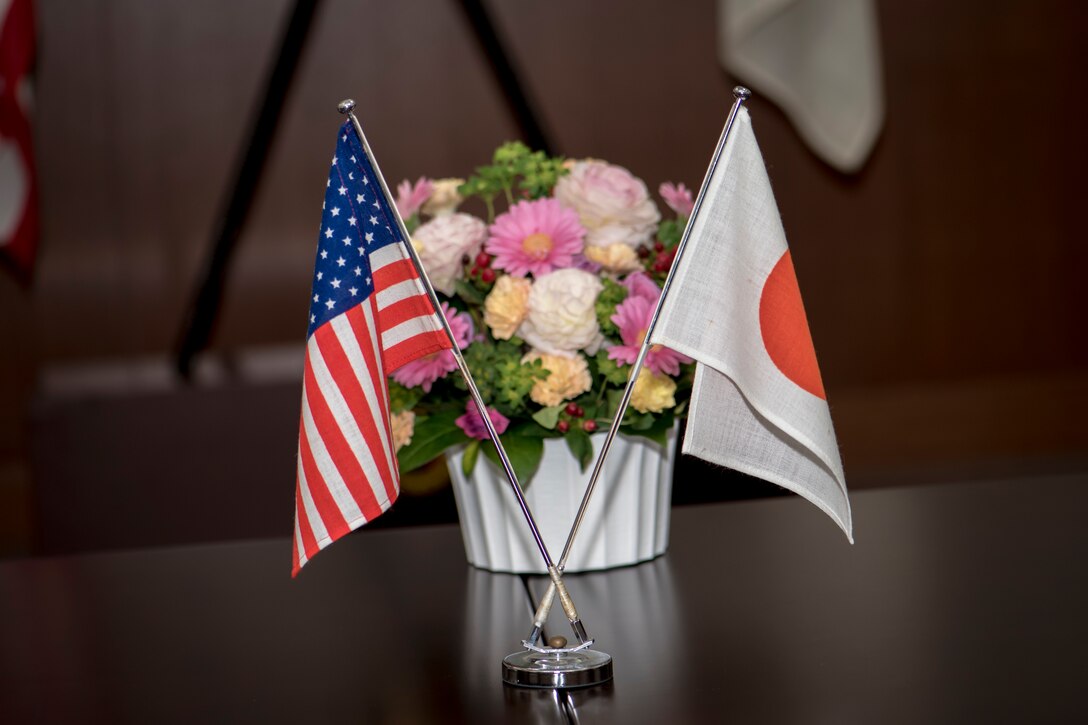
<point>557,667</point>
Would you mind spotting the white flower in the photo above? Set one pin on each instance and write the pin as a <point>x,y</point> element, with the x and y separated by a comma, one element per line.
<point>614,205</point>
<point>561,315</point>
<point>443,242</point>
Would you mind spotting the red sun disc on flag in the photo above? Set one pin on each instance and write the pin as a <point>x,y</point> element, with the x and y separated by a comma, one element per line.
<point>784,328</point>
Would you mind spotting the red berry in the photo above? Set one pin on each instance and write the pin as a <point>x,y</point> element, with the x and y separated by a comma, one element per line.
<point>488,275</point>
<point>483,259</point>
<point>643,252</point>
<point>659,247</point>
<point>589,425</point>
<point>563,426</point>
<point>473,272</point>
<point>572,409</point>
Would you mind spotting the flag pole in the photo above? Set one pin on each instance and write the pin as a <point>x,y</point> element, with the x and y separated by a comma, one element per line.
<point>347,107</point>
<point>740,95</point>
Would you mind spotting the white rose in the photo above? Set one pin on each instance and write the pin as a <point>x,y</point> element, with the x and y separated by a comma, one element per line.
<point>614,205</point>
<point>561,315</point>
<point>443,242</point>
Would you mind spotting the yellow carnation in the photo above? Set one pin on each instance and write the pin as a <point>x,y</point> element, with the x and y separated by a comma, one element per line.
<point>507,305</point>
<point>404,425</point>
<point>618,258</point>
<point>653,392</point>
<point>444,198</point>
<point>568,378</point>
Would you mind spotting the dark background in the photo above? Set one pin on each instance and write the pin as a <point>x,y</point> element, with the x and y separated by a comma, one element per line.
<point>944,282</point>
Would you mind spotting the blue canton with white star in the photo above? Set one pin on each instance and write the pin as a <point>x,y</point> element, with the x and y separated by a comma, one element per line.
<point>355,221</point>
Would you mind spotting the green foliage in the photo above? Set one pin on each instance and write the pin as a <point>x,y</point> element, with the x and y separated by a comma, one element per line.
<point>402,398</point>
<point>610,370</point>
<point>656,428</point>
<point>503,380</point>
<point>469,292</point>
<point>670,231</point>
<point>613,294</point>
<point>432,436</point>
<point>548,417</point>
<point>581,447</point>
<point>468,461</point>
<point>515,172</point>
<point>523,447</point>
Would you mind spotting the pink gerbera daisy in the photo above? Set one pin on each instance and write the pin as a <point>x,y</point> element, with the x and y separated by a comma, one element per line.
<point>535,237</point>
<point>472,423</point>
<point>632,318</point>
<point>425,370</point>
<point>639,284</point>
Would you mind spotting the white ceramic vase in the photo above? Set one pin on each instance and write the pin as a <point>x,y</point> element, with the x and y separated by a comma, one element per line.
<point>627,521</point>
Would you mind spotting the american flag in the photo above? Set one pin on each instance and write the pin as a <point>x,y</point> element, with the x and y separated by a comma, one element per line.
<point>369,314</point>
<point>18,187</point>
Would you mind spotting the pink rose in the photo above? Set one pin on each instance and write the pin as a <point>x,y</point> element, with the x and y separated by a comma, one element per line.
<point>614,206</point>
<point>443,242</point>
<point>472,423</point>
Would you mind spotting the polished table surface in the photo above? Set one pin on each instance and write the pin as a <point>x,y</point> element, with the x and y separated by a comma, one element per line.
<point>959,603</point>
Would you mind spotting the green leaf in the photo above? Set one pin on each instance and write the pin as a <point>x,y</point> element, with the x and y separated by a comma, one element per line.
<point>657,430</point>
<point>468,293</point>
<point>614,397</point>
<point>468,461</point>
<point>580,446</point>
<point>612,372</point>
<point>634,421</point>
<point>548,417</point>
<point>402,398</point>
<point>431,437</point>
<point>524,451</point>
<point>670,231</point>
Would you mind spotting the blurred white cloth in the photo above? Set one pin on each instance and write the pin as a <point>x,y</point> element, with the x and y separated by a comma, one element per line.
<point>819,60</point>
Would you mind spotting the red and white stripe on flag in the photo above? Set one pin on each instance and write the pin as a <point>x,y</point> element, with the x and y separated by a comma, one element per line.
<point>18,184</point>
<point>369,314</point>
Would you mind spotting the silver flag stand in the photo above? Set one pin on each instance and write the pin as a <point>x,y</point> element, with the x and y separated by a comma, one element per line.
<point>549,667</point>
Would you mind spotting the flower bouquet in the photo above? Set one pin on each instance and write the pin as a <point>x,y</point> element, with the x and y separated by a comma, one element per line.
<point>549,290</point>
<point>549,295</point>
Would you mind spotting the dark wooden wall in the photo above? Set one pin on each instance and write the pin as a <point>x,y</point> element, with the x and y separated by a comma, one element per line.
<point>944,282</point>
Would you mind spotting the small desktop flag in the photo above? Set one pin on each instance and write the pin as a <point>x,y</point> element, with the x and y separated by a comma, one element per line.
<point>758,404</point>
<point>369,314</point>
<point>18,186</point>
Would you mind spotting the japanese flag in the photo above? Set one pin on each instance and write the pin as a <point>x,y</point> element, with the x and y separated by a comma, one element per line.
<point>758,404</point>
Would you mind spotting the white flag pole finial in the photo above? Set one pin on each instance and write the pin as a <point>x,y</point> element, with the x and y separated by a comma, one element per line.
<point>740,95</point>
